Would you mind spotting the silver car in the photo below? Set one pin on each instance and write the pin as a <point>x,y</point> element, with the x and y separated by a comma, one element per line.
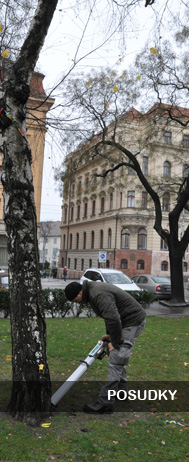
<point>159,286</point>
<point>112,276</point>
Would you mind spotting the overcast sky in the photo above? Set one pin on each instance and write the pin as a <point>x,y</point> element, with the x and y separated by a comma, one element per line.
<point>57,57</point>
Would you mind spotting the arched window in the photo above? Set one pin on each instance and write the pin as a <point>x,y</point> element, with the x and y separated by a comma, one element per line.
<point>142,239</point>
<point>85,209</point>
<point>125,238</point>
<point>78,212</point>
<point>77,241</point>
<point>166,168</point>
<point>64,241</point>
<point>92,239</point>
<point>93,207</point>
<point>109,238</point>
<point>140,264</point>
<point>101,239</point>
<point>124,263</point>
<point>111,201</point>
<point>65,214</point>
<point>164,265</point>
<point>102,205</point>
<point>166,202</point>
<point>84,239</point>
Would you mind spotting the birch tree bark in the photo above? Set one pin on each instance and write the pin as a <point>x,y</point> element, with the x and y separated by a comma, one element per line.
<point>31,389</point>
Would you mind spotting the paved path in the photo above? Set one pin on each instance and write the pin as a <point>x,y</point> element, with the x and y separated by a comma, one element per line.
<point>155,309</point>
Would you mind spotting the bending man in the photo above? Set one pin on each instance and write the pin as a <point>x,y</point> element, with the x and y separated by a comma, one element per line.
<point>124,318</point>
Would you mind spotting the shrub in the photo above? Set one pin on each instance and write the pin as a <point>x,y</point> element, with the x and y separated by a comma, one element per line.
<point>5,302</point>
<point>143,297</point>
<point>55,303</point>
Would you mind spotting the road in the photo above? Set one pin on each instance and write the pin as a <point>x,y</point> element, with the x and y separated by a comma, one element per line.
<point>155,309</point>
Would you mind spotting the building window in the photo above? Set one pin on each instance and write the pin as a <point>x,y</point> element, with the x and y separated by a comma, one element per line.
<point>185,267</point>
<point>93,208</point>
<point>78,212</point>
<point>101,239</point>
<point>163,245</point>
<point>92,239</point>
<point>82,264</point>
<point>71,241</point>
<point>130,198</point>
<point>166,202</point>
<point>131,171</point>
<point>185,170</point>
<point>145,165</point>
<point>84,239</point>
<point>166,168</point>
<point>140,264</point>
<point>72,213</point>
<point>125,239</point>
<point>65,214</point>
<point>68,263</point>
<point>87,184</point>
<point>77,241</point>
<point>90,263</point>
<point>75,263</point>
<point>79,187</point>
<point>185,142</point>
<point>85,209</point>
<point>124,264</point>
<point>72,190</point>
<point>121,198</point>
<point>167,137</point>
<point>111,201</point>
<point>164,265</point>
<point>144,203</point>
<point>64,241</point>
<point>142,239</point>
<point>109,238</point>
<point>102,205</point>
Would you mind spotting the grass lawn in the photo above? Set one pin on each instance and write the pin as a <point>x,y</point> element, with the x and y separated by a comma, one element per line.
<point>160,353</point>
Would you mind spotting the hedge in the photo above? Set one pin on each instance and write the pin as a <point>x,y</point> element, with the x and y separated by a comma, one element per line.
<point>56,305</point>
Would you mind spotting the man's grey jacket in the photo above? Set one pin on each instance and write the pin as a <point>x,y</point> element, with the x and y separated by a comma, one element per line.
<point>117,307</point>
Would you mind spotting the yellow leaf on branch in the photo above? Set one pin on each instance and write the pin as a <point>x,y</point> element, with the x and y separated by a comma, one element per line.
<point>1,27</point>
<point>115,88</point>
<point>5,53</point>
<point>153,50</point>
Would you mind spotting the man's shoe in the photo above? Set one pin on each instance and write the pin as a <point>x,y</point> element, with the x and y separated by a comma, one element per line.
<point>98,408</point>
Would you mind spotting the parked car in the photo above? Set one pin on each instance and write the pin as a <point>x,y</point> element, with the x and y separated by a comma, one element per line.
<point>4,281</point>
<point>112,276</point>
<point>160,286</point>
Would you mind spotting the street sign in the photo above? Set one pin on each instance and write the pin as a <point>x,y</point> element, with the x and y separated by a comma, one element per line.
<point>102,257</point>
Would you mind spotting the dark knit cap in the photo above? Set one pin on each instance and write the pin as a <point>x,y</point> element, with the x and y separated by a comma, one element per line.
<point>72,290</point>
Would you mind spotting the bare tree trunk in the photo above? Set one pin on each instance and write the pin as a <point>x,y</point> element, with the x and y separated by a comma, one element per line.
<point>31,379</point>
<point>176,267</point>
<point>31,390</point>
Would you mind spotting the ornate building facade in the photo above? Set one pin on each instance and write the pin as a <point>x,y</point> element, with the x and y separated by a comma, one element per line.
<point>38,106</point>
<point>115,214</point>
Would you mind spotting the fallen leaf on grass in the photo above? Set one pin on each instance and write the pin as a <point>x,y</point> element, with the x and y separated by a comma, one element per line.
<point>163,442</point>
<point>149,453</point>
<point>116,442</point>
